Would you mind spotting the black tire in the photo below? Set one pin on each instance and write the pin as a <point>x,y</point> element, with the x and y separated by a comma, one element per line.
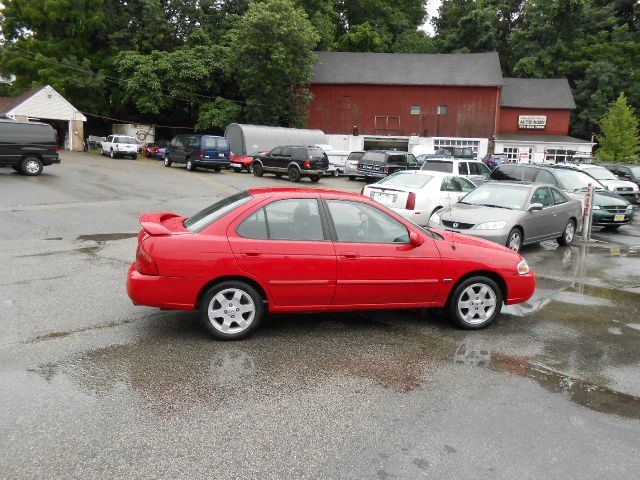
<point>294,174</point>
<point>167,162</point>
<point>470,308</point>
<point>31,166</point>
<point>352,177</point>
<point>134,157</point>
<point>257,169</point>
<point>314,178</point>
<point>237,170</point>
<point>190,166</point>
<point>568,234</point>
<point>336,172</point>
<point>217,169</point>
<point>216,324</point>
<point>514,239</point>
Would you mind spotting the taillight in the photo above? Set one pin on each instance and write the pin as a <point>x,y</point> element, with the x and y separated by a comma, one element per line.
<point>145,264</point>
<point>57,148</point>
<point>386,169</point>
<point>411,201</point>
<point>307,164</point>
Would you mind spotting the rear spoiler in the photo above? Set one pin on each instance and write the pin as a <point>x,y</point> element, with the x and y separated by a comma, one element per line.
<point>152,223</point>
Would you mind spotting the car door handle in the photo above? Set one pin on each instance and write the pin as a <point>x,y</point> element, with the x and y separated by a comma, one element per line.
<point>252,253</point>
<point>351,255</point>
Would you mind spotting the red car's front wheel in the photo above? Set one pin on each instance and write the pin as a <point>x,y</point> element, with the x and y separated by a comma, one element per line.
<point>475,303</point>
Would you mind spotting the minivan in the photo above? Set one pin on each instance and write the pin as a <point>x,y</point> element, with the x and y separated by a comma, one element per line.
<point>27,146</point>
<point>206,151</point>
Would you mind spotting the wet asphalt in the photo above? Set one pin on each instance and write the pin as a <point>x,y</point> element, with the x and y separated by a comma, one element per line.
<point>94,387</point>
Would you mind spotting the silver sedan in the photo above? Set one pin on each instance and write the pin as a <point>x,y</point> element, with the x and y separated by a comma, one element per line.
<point>513,214</point>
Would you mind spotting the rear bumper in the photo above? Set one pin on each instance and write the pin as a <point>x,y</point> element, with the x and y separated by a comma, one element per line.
<point>174,293</point>
<point>50,160</point>
<point>211,163</point>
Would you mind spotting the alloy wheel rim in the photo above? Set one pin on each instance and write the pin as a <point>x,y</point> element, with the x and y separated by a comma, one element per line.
<point>477,303</point>
<point>569,232</point>
<point>231,311</point>
<point>514,241</point>
<point>32,166</point>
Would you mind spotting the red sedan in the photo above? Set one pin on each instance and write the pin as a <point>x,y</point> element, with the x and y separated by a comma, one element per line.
<point>308,250</point>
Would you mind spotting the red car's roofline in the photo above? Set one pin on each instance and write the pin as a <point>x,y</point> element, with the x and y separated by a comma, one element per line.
<point>318,191</point>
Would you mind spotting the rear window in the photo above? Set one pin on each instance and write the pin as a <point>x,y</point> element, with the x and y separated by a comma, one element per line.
<point>373,157</point>
<point>220,143</point>
<point>410,180</point>
<point>504,172</point>
<point>213,212</point>
<point>438,166</point>
<point>315,153</point>
<point>397,159</point>
<point>125,140</point>
<point>355,155</point>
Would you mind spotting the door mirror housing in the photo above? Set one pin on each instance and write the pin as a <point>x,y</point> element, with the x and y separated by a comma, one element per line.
<point>415,239</point>
<point>534,207</point>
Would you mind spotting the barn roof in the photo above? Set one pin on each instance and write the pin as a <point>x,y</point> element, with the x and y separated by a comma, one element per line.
<point>468,69</point>
<point>537,93</point>
<point>9,103</point>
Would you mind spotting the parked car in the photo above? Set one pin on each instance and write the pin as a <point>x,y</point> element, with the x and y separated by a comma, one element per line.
<point>351,167</point>
<point>94,141</point>
<point>239,163</point>
<point>624,188</point>
<point>120,146</point>
<point>625,171</point>
<point>417,194</point>
<point>513,214</point>
<point>157,149</point>
<point>27,146</point>
<point>376,164</point>
<point>206,151</point>
<point>303,250</point>
<point>474,170</point>
<point>610,210</point>
<point>296,161</point>
<point>492,160</point>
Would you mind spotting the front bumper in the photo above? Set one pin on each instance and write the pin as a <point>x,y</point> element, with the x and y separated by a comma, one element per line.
<point>520,288</point>
<point>602,218</point>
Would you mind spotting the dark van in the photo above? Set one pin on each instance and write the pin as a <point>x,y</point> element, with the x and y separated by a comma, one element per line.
<point>27,146</point>
<point>376,164</point>
<point>206,151</point>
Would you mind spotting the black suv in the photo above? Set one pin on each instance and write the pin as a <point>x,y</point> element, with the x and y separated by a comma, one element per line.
<point>27,146</point>
<point>376,164</point>
<point>295,161</point>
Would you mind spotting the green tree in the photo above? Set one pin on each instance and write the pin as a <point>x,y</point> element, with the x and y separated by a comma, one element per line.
<point>363,38</point>
<point>218,114</point>
<point>271,57</point>
<point>414,42</point>
<point>619,137</point>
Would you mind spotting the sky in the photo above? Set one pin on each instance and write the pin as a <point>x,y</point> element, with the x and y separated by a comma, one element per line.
<point>432,11</point>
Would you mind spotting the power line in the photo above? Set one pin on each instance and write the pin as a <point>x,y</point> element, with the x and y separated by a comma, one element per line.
<point>129,121</point>
<point>109,78</point>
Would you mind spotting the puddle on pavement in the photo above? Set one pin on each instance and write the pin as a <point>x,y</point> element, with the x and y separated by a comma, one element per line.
<point>106,237</point>
<point>596,397</point>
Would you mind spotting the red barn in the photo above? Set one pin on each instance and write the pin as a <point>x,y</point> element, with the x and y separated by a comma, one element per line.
<point>391,100</point>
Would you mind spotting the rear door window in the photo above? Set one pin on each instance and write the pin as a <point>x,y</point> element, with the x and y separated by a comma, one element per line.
<point>545,177</point>
<point>294,219</point>
<point>462,168</point>
<point>465,185</point>
<point>543,195</point>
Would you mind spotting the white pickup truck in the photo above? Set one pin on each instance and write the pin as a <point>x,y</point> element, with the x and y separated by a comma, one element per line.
<point>120,146</point>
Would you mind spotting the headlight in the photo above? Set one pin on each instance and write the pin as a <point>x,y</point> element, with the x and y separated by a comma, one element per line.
<point>523,267</point>
<point>491,225</point>
<point>629,208</point>
<point>596,207</point>
<point>435,218</point>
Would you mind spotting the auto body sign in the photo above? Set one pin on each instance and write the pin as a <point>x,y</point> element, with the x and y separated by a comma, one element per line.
<point>532,122</point>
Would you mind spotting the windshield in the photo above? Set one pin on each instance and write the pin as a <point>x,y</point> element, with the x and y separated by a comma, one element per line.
<point>600,173</point>
<point>213,212</point>
<point>572,180</point>
<point>498,195</point>
<point>436,166</point>
<point>410,180</point>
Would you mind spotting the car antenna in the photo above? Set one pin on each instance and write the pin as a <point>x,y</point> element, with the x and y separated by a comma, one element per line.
<point>453,237</point>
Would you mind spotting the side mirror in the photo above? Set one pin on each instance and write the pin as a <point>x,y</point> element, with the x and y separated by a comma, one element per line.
<point>623,175</point>
<point>415,239</point>
<point>534,207</point>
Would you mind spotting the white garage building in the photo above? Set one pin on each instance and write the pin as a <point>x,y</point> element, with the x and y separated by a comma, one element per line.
<point>45,104</point>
